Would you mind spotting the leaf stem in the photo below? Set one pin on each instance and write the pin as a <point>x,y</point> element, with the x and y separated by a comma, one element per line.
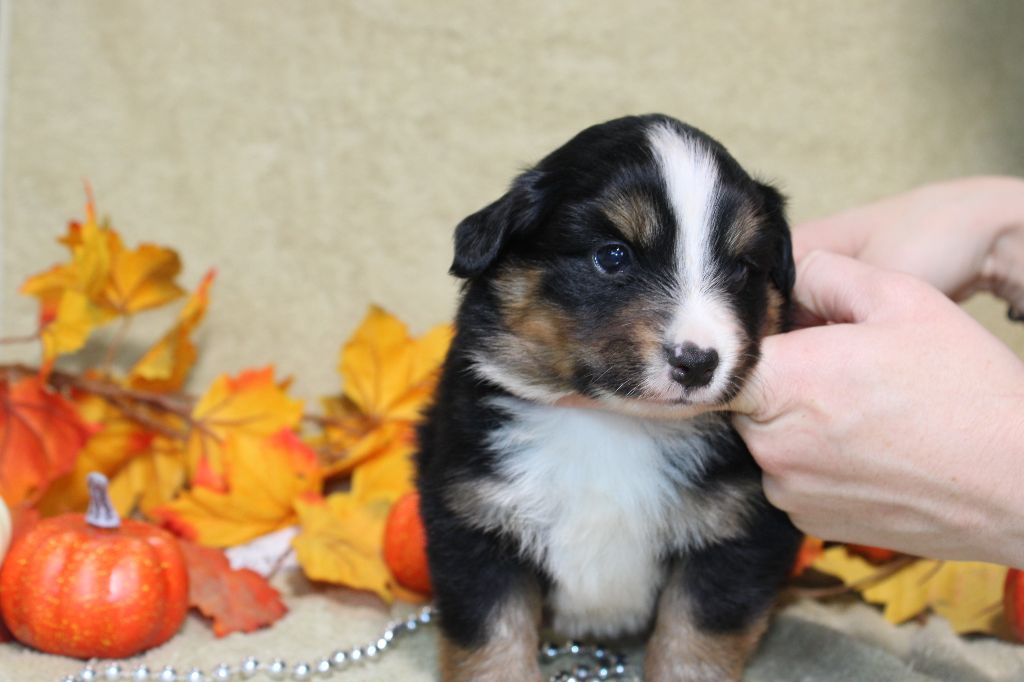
<point>115,344</point>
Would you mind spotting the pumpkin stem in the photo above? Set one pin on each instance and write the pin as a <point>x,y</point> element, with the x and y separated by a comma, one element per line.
<point>101,512</point>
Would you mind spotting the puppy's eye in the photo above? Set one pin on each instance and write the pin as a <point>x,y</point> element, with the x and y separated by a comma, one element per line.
<point>739,272</point>
<point>613,258</point>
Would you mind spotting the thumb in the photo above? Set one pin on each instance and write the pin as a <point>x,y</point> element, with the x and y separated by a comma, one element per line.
<point>835,288</point>
<point>764,395</point>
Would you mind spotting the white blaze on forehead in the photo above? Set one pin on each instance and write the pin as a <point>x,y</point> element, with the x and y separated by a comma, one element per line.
<point>691,182</point>
<point>703,316</point>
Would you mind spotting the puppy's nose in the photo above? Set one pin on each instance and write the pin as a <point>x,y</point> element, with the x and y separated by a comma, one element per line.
<point>692,367</point>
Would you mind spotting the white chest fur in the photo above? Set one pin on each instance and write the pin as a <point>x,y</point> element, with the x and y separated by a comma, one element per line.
<point>597,500</point>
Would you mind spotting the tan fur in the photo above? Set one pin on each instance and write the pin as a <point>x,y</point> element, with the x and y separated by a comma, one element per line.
<point>680,651</point>
<point>744,229</point>
<point>538,345</point>
<point>635,216</point>
<point>510,652</point>
<point>773,314</point>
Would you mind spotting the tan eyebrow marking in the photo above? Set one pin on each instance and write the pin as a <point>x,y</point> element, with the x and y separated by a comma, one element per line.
<point>743,230</point>
<point>636,216</point>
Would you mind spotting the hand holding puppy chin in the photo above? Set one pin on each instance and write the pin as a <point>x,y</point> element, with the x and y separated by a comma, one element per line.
<point>898,424</point>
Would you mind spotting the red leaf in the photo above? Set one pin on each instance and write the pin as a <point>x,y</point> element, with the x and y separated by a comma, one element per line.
<point>1013,602</point>
<point>41,434</point>
<point>237,601</point>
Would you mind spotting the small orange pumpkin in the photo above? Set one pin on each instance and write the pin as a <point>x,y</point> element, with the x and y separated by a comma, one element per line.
<point>405,544</point>
<point>94,586</point>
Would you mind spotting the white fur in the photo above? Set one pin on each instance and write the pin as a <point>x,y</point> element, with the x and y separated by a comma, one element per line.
<point>702,317</point>
<point>593,498</point>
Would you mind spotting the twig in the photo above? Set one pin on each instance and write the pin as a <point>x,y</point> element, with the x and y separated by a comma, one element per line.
<point>140,417</point>
<point>883,573</point>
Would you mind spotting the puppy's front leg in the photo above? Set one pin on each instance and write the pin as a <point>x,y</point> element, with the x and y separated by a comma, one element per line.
<point>506,650</point>
<point>717,604</point>
<point>488,601</point>
<point>682,650</point>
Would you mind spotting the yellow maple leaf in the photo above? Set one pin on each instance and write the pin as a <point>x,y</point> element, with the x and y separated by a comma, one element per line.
<point>262,477</point>
<point>965,593</point>
<point>251,404</point>
<point>75,319</point>
<point>387,373</point>
<point>341,537</point>
<point>150,479</point>
<point>388,378</point>
<point>103,281</point>
<point>166,365</point>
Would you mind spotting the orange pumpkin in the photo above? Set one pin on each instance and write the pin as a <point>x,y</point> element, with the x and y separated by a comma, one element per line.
<point>94,586</point>
<point>1013,602</point>
<point>405,544</point>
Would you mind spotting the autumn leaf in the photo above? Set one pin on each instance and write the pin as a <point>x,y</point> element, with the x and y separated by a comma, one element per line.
<point>149,480</point>
<point>810,549</point>
<point>102,281</point>
<point>142,279</point>
<point>967,594</point>
<point>41,434</point>
<point>115,439</point>
<point>388,379</point>
<point>262,477</point>
<point>166,365</point>
<point>341,537</point>
<point>236,601</point>
<point>386,372</point>
<point>250,405</point>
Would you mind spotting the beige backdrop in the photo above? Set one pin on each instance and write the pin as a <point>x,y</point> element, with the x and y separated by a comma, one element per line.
<point>319,153</point>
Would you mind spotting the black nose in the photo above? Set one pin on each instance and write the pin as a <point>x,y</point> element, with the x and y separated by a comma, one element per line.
<point>691,366</point>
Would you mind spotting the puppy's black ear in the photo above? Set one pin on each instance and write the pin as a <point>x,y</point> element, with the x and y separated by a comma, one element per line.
<point>783,269</point>
<point>480,238</point>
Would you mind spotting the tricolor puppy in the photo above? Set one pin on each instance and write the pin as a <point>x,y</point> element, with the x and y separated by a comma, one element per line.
<point>637,266</point>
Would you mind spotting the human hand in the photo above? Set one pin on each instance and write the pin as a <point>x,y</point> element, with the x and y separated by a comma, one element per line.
<point>960,236</point>
<point>900,425</point>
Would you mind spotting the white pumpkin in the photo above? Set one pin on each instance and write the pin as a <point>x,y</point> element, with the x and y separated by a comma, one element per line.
<point>5,530</point>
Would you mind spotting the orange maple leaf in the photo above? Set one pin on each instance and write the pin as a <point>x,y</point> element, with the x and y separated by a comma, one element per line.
<point>341,536</point>
<point>262,478</point>
<point>166,365</point>
<point>236,601</point>
<point>251,404</point>
<point>41,434</point>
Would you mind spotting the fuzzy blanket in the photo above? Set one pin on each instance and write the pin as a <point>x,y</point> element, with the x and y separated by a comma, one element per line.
<point>809,642</point>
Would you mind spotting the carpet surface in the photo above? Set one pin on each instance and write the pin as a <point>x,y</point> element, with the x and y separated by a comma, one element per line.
<point>808,642</point>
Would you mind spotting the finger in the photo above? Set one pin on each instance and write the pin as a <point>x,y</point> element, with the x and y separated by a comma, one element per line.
<point>835,288</point>
<point>766,392</point>
<point>843,233</point>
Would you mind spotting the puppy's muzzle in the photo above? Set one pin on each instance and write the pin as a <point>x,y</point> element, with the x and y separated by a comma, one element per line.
<point>692,367</point>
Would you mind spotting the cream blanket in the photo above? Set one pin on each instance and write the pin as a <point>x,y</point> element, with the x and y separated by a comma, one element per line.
<point>809,642</point>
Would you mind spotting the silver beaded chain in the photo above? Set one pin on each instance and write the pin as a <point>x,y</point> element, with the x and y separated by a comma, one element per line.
<point>600,664</point>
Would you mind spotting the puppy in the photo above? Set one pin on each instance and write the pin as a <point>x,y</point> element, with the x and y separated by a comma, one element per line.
<point>637,266</point>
